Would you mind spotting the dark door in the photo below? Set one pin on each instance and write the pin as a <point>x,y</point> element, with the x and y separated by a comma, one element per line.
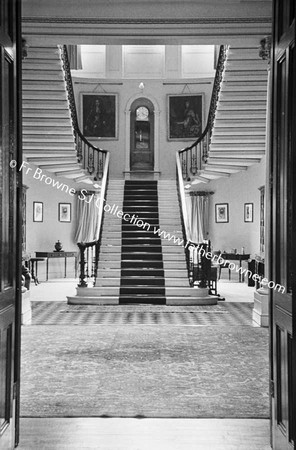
<point>283,226</point>
<point>142,135</point>
<point>10,276</point>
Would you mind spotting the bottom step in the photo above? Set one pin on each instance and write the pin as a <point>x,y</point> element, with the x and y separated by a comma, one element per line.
<point>157,300</point>
<point>84,300</point>
<point>142,299</point>
<point>192,301</point>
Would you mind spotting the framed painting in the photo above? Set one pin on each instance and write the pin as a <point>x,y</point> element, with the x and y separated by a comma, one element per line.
<point>64,212</point>
<point>221,213</point>
<point>248,212</point>
<point>37,211</point>
<point>99,115</point>
<point>185,116</point>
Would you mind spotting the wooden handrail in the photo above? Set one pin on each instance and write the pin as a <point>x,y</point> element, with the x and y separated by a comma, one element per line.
<point>91,157</point>
<point>193,156</point>
<point>189,159</point>
<point>214,98</point>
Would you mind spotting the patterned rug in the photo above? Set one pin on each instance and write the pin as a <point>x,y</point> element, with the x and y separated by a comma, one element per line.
<point>142,371</point>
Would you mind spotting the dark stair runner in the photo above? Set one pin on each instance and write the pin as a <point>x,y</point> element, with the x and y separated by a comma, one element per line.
<point>142,273</point>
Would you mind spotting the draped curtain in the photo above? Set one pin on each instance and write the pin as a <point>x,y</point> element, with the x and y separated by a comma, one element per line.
<point>198,217</point>
<point>74,56</point>
<point>87,218</point>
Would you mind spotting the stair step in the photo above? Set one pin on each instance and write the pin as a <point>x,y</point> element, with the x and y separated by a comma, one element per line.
<point>240,115</point>
<point>145,272</point>
<point>54,139</point>
<point>36,96</point>
<point>43,86</point>
<point>135,299</point>
<point>143,290</point>
<point>44,121</point>
<point>245,132</point>
<point>49,146</point>
<point>193,301</point>
<point>244,86</point>
<point>233,122</point>
<point>93,300</point>
<point>242,106</point>
<point>244,66</point>
<point>42,130</point>
<point>51,114</point>
<point>46,75</point>
<point>32,65</point>
<point>48,104</point>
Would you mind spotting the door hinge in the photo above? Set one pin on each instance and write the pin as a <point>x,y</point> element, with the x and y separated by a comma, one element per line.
<point>272,388</point>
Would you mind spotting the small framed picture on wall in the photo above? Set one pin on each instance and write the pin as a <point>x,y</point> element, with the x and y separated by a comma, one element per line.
<point>221,213</point>
<point>248,212</point>
<point>64,212</point>
<point>37,211</point>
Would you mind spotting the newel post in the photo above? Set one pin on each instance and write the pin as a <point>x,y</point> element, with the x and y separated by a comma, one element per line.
<point>82,263</point>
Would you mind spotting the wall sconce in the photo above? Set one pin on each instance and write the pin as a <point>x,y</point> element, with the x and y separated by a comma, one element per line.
<point>141,86</point>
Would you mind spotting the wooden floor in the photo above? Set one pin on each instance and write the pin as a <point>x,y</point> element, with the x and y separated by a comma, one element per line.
<point>144,434</point>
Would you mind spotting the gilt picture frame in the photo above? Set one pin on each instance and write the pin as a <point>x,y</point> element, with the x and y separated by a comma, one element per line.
<point>185,116</point>
<point>99,115</point>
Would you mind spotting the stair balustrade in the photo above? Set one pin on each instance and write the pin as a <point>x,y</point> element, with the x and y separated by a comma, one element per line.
<point>89,251</point>
<point>96,162</point>
<point>92,158</point>
<point>191,159</point>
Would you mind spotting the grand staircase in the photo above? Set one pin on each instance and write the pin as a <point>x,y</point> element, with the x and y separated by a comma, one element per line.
<point>48,137</point>
<point>138,263</point>
<point>239,132</point>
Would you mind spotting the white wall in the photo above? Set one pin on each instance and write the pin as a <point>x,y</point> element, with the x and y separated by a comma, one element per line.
<point>158,94</point>
<point>41,236</point>
<point>236,190</point>
<point>125,67</point>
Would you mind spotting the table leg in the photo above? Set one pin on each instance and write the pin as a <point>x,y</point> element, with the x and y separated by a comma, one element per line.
<point>47,269</point>
<point>65,267</point>
<point>240,274</point>
<point>33,274</point>
<point>75,266</point>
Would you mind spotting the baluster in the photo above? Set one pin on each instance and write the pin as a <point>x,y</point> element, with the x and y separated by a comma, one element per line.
<point>190,264</point>
<point>97,249</point>
<point>101,165</point>
<point>193,152</point>
<point>86,155</point>
<point>78,147</point>
<point>82,266</point>
<point>87,262</point>
<point>93,261</point>
<point>90,167</point>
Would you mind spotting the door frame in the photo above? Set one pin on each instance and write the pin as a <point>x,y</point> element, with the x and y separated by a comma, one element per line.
<point>127,112</point>
<point>282,217</point>
<point>11,302</point>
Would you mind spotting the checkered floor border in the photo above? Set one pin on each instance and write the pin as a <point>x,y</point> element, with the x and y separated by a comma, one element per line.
<point>59,313</point>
